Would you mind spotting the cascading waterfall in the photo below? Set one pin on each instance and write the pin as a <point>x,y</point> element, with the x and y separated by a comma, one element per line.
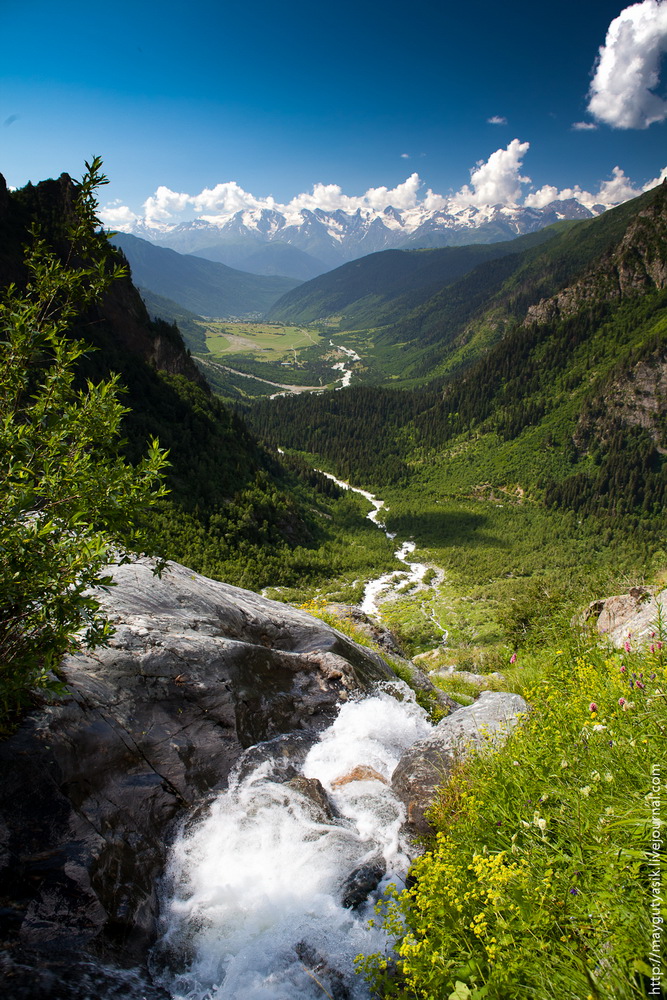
<point>268,895</point>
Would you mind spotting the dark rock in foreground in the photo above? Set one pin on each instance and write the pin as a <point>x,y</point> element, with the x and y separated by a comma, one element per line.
<point>90,784</point>
<point>361,882</point>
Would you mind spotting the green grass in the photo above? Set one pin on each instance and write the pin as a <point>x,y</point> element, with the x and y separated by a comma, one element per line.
<point>291,356</point>
<point>508,564</point>
<point>538,883</point>
<point>272,341</point>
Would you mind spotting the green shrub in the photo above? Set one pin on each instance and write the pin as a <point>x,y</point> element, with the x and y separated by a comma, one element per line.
<point>68,500</point>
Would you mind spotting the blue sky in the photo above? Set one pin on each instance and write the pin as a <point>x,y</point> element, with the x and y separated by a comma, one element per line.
<point>279,97</point>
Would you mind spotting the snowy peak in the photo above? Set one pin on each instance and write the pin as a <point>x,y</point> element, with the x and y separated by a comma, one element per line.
<point>332,237</point>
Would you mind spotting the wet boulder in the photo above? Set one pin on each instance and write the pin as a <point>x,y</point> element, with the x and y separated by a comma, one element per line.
<point>321,808</point>
<point>361,882</point>
<point>280,757</point>
<point>429,762</point>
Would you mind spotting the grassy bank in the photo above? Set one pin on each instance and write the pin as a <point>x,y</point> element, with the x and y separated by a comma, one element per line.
<point>539,883</point>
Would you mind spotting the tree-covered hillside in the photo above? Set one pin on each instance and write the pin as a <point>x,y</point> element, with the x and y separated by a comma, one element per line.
<point>583,326</point>
<point>233,511</point>
<point>205,287</point>
<point>382,287</point>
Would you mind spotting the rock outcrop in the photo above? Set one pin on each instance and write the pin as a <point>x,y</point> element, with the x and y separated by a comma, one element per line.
<point>121,319</point>
<point>428,763</point>
<point>633,617</point>
<point>414,676</point>
<point>91,783</point>
<point>634,266</point>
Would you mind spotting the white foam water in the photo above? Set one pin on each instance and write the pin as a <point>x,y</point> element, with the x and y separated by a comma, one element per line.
<point>410,579</point>
<point>252,905</point>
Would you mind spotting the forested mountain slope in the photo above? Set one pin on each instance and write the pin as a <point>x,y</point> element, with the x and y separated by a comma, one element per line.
<point>461,321</point>
<point>203,286</point>
<point>569,402</point>
<point>382,287</point>
<point>234,511</point>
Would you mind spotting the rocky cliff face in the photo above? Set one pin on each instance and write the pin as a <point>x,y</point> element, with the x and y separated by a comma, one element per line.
<point>636,399</point>
<point>636,265</point>
<point>121,322</point>
<point>92,784</point>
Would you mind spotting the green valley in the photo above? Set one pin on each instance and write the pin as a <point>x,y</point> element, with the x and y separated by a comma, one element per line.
<point>537,468</point>
<point>503,411</point>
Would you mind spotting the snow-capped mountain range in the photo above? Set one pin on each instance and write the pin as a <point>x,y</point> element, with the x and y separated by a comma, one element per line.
<point>308,242</point>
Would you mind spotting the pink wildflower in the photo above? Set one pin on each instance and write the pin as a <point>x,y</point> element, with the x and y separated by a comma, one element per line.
<point>623,669</point>
<point>513,658</point>
<point>592,707</point>
<point>626,646</point>
<point>621,702</point>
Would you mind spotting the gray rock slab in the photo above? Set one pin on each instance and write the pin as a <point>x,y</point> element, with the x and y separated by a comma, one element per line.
<point>93,782</point>
<point>634,616</point>
<point>429,762</point>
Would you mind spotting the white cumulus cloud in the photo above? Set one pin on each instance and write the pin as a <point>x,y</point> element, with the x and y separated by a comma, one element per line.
<point>584,126</point>
<point>164,204</point>
<point>330,197</point>
<point>656,180</point>
<point>614,191</point>
<point>116,215</point>
<point>497,180</point>
<point>497,120</point>
<point>617,190</point>
<point>627,70</point>
<point>224,200</point>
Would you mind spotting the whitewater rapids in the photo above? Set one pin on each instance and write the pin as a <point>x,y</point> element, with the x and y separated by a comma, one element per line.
<point>252,902</point>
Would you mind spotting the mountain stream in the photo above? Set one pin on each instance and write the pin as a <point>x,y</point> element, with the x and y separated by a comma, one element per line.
<point>269,892</point>
<point>270,888</point>
<point>410,579</point>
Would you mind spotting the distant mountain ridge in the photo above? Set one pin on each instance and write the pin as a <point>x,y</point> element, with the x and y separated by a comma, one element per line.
<point>203,287</point>
<point>383,287</point>
<point>313,241</point>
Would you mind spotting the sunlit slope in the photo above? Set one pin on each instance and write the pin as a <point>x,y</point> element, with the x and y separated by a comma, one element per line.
<point>382,287</point>
<point>568,403</point>
<point>453,328</point>
<point>422,314</point>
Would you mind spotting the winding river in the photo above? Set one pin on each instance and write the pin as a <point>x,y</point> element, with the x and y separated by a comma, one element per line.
<point>409,580</point>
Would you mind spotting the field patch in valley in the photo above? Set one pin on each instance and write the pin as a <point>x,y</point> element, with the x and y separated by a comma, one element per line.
<point>269,341</point>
